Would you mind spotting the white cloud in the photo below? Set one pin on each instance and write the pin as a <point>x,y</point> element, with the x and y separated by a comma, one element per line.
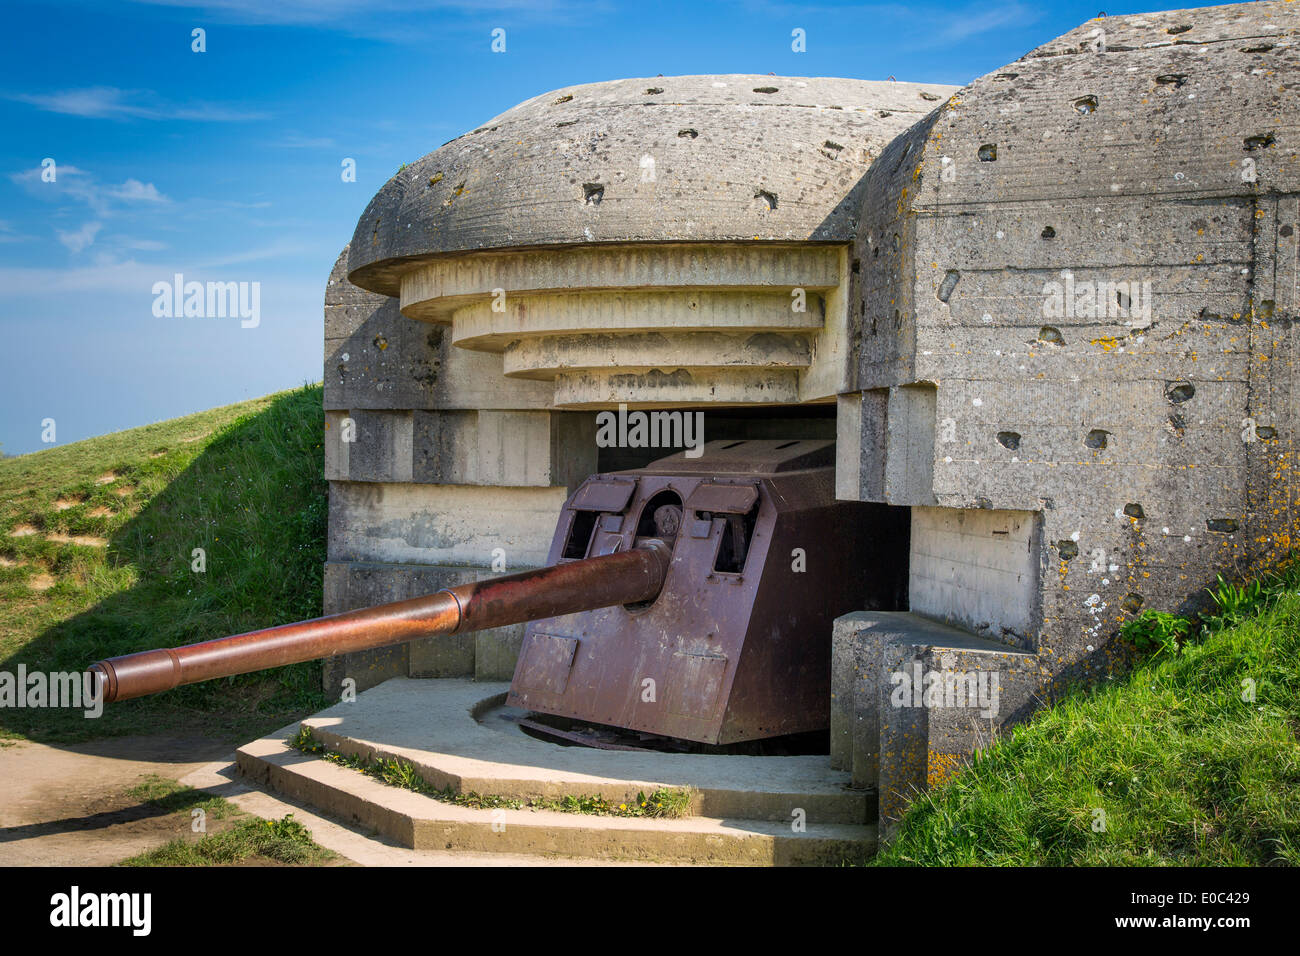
<point>76,184</point>
<point>83,237</point>
<point>109,102</point>
<point>135,191</point>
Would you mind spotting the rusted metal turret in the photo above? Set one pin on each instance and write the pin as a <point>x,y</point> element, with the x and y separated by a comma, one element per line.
<point>691,599</point>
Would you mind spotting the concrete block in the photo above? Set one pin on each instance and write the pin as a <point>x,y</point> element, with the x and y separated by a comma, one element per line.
<point>891,728</point>
<point>850,657</point>
<point>939,694</point>
<point>461,447</point>
<point>455,525</point>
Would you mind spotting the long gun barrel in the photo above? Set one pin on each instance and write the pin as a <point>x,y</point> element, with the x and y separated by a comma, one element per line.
<point>624,577</point>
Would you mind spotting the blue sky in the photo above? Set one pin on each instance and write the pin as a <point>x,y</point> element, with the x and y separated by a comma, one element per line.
<point>225,165</point>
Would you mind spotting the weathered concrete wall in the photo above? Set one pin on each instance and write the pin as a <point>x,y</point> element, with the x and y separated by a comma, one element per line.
<point>1091,256</point>
<point>441,472</point>
<point>978,570</point>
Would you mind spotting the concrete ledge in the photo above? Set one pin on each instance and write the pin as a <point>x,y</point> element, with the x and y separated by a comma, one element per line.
<point>743,804</point>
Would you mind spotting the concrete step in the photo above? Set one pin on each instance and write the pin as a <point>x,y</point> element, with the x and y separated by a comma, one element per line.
<point>458,734</point>
<point>363,846</point>
<point>424,823</point>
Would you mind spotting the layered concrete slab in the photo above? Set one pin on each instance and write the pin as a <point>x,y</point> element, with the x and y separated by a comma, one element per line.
<point>735,157</point>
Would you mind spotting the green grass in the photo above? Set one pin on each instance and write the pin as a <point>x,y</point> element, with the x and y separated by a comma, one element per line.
<point>245,483</point>
<point>1191,760</point>
<point>665,802</point>
<point>247,840</point>
<point>254,840</point>
<point>169,796</point>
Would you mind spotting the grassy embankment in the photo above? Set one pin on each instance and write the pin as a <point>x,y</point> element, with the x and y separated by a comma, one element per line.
<point>1192,759</point>
<point>97,542</point>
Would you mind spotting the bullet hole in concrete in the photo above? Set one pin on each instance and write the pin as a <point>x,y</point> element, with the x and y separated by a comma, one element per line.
<point>1134,510</point>
<point>1267,308</point>
<point>380,342</point>
<point>1286,231</point>
<point>1009,440</point>
<point>654,91</point>
<point>1258,142</point>
<point>831,149</point>
<point>565,123</point>
<point>1048,232</point>
<point>928,96</point>
<point>1097,438</point>
<point>593,193</point>
<point>1086,104</point>
<point>1132,602</point>
<point>1221,525</point>
<point>1176,80</point>
<point>1265,432</point>
<point>1051,335</point>
<point>1205,315</point>
<point>1177,424</point>
<point>767,197</point>
<point>988,153</point>
<point>1122,299</point>
<point>1179,392</point>
<point>435,179</point>
<point>460,188</point>
<point>563,99</point>
<point>984,504</point>
<point>687,133</point>
<point>856,267</point>
<point>1068,549</point>
<point>1262,48</point>
<point>765,89</point>
<point>1174,31</point>
<point>950,279</point>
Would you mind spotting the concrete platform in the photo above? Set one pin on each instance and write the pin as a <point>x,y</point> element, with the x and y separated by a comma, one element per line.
<point>744,810</point>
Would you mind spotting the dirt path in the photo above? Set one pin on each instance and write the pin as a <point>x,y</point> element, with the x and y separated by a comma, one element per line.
<point>67,806</point>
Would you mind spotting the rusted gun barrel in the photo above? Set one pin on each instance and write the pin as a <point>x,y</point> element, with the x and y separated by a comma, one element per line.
<point>624,577</point>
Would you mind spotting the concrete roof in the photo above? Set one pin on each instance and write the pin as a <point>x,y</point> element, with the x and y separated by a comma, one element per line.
<point>682,158</point>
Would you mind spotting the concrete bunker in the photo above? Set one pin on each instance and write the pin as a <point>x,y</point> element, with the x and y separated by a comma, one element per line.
<point>1069,362</point>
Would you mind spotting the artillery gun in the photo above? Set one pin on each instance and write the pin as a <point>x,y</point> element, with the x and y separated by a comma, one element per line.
<point>690,599</point>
